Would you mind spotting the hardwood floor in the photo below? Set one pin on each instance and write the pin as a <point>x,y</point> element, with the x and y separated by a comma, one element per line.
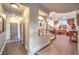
<point>60,46</point>
<point>14,48</point>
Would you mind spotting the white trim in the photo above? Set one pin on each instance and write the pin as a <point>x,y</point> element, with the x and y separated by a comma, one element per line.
<point>3,48</point>
<point>38,48</point>
<point>26,48</point>
<point>7,41</point>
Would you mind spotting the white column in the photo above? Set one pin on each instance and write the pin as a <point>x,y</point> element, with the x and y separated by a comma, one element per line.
<point>19,33</point>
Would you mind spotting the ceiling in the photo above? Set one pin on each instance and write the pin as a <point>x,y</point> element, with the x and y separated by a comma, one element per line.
<point>60,7</point>
<point>8,8</point>
<point>57,7</point>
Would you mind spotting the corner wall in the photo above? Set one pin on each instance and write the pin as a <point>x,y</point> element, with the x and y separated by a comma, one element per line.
<point>35,42</point>
<point>26,28</point>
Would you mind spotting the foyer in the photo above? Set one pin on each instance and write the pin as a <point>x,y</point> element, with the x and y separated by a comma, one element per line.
<point>39,29</point>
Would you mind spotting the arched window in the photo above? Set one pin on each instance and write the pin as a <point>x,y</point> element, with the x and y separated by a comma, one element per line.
<point>62,20</point>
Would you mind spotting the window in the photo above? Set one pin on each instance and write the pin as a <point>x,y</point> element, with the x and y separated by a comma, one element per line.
<point>62,20</point>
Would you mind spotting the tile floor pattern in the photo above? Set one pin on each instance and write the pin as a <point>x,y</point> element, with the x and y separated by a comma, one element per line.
<point>60,46</point>
<point>14,48</point>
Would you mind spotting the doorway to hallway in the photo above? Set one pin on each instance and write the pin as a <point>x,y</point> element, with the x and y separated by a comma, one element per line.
<point>13,31</point>
<point>16,44</point>
<point>17,28</point>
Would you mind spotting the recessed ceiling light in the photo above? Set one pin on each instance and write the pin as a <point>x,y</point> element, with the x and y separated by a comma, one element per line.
<point>14,5</point>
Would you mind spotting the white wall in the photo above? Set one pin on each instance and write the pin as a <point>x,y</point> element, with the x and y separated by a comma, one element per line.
<point>33,26</point>
<point>33,44</point>
<point>55,15</point>
<point>12,18</point>
<point>36,42</point>
<point>7,27</point>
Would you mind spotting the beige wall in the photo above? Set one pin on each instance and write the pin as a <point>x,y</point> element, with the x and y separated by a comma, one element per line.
<point>2,41</point>
<point>78,36</point>
<point>2,35</point>
<point>26,27</point>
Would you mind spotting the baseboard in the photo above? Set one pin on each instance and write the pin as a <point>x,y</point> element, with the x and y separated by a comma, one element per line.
<point>36,53</point>
<point>9,41</point>
<point>3,48</point>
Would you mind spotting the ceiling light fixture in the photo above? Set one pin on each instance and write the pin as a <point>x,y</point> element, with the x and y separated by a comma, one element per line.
<point>14,5</point>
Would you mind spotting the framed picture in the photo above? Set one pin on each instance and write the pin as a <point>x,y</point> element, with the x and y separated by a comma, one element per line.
<point>2,24</point>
